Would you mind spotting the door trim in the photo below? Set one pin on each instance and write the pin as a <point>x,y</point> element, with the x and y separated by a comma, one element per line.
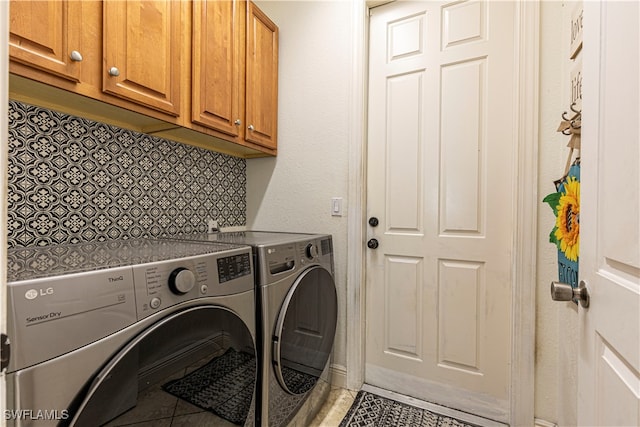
<point>357,196</point>
<point>524,209</point>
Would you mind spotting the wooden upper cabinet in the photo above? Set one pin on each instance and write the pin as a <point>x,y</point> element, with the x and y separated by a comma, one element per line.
<point>261,100</point>
<point>142,47</point>
<point>218,65</point>
<point>45,35</point>
<point>235,72</point>
<point>202,72</point>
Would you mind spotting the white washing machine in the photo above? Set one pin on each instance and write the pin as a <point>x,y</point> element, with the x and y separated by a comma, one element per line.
<point>297,311</point>
<point>136,331</point>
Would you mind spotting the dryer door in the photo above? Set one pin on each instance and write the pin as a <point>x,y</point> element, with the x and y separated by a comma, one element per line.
<point>305,330</point>
<point>195,367</point>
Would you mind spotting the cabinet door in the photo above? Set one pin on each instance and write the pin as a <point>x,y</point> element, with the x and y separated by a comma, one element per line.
<point>43,34</point>
<point>142,48</point>
<point>261,102</point>
<point>218,65</point>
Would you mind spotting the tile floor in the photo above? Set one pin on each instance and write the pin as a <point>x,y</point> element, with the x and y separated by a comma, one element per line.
<point>330,415</point>
<point>335,408</point>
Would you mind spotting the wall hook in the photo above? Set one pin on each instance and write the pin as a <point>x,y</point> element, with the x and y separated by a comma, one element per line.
<point>570,124</point>
<point>573,104</point>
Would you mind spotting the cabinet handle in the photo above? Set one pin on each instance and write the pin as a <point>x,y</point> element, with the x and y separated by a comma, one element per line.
<point>237,122</point>
<point>250,127</point>
<point>76,56</point>
<point>114,72</point>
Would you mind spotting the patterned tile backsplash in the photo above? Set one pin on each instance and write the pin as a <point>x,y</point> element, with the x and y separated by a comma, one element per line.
<point>75,180</point>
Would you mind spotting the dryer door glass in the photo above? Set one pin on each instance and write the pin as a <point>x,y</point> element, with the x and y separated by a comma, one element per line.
<point>196,367</point>
<point>305,330</point>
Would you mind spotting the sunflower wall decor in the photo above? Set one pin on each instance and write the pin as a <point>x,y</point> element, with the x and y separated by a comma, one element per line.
<point>565,203</point>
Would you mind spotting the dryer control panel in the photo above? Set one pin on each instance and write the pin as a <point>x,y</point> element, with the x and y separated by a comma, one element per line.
<point>234,267</point>
<point>166,283</point>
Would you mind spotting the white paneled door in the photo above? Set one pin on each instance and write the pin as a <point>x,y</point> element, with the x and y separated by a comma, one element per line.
<point>440,182</point>
<point>609,360</point>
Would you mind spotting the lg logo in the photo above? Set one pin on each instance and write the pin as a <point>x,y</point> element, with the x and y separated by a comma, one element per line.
<point>33,293</point>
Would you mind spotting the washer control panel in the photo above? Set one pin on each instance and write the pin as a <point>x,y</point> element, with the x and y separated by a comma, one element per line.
<point>288,258</point>
<point>162,284</point>
<point>311,251</point>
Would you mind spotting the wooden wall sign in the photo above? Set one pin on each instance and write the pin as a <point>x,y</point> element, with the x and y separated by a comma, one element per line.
<point>576,30</point>
<point>576,84</point>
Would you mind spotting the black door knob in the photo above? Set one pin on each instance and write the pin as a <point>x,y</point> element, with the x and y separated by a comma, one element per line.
<point>373,221</point>
<point>372,243</point>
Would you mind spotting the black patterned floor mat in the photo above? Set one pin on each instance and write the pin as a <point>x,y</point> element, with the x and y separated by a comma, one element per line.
<point>371,410</point>
<point>224,386</point>
<point>298,382</point>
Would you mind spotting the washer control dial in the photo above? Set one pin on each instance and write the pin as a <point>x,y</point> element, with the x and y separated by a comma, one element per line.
<point>181,281</point>
<point>311,251</point>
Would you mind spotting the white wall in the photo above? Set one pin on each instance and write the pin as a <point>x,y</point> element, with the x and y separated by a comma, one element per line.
<point>293,191</point>
<point>556,322</point>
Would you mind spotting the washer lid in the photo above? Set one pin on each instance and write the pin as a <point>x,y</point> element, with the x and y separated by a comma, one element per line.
<point>305,330</point>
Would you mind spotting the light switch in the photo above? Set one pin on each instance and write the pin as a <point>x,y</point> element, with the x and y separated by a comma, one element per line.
<point>336,206</point>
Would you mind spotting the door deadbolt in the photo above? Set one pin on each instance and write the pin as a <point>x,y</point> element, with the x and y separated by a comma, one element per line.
<point>373,221</point>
